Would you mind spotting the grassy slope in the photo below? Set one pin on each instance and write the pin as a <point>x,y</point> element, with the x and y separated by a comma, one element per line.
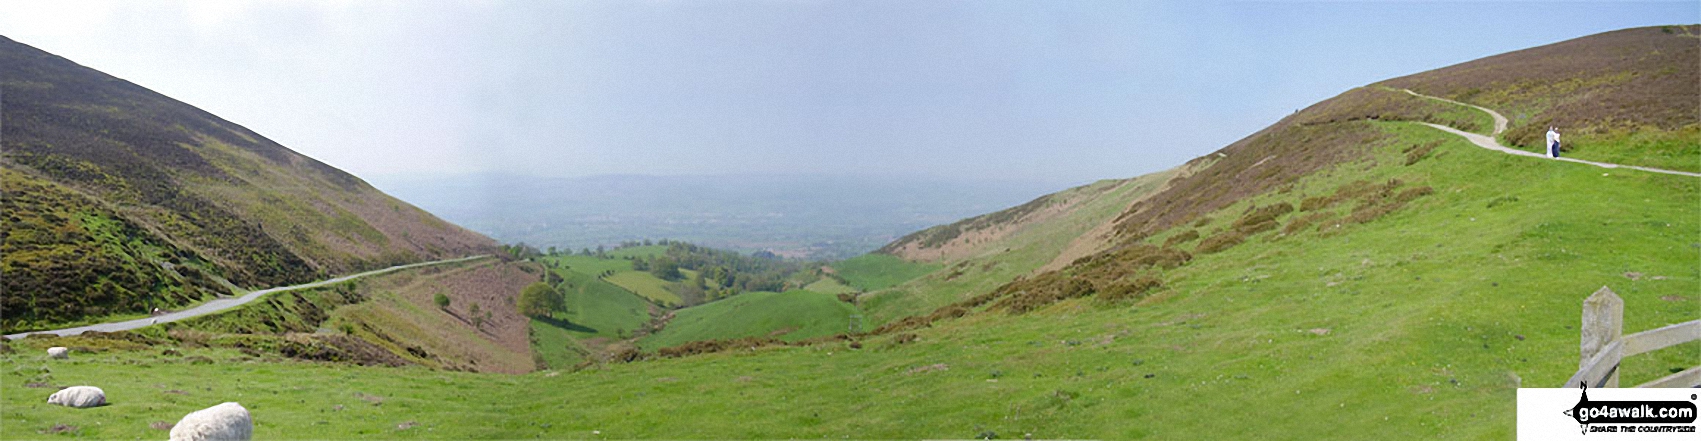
<point>871,272</point>
<point>591,265</point>
<point>595,309</point>
<point>606,309</point>
<point>791,316</point>
<point>828,285</point>
<point>556,346</point>
<point>1032,247</point>
<point>645,284</point>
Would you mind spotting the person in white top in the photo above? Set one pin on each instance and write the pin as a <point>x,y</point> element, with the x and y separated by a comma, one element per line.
<point>1552,142</point>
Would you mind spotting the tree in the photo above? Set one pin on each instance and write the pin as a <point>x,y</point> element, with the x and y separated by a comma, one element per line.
<point>477,320</point>
<point>441,300</point>
<point>539,300</point>
<point>665,268</point>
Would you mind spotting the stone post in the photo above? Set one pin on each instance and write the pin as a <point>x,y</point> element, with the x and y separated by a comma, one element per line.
<point>1603,323</point>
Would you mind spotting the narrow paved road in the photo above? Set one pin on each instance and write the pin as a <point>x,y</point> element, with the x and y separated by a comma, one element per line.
<point>221,304</point>
<point>1488,141</point>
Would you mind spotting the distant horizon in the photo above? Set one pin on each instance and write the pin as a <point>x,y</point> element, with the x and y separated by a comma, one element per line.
<point>1030,91</point>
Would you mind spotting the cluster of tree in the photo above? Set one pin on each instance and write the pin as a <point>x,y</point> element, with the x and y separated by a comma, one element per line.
<point>718,273</point>
<point>521,251</point>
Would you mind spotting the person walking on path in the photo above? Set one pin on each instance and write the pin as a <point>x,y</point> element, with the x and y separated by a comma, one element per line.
<point>1552,142</point>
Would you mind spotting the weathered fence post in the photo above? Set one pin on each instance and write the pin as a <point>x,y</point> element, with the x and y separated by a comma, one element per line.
<point>1603,323</point>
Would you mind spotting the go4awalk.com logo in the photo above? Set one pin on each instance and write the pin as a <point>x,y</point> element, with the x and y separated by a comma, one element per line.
<point>1641,414</point>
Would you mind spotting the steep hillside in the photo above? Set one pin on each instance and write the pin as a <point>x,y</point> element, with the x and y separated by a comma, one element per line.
<point>1624,97</point>
<point>118,199</point>
<point>975,255</point>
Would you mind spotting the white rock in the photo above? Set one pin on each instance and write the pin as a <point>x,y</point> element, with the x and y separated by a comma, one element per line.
<point>58,352</point>
<point>224,422</point>
<point>78,397</point>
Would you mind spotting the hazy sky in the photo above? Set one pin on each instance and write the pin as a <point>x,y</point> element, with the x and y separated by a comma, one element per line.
<point>1046,90</point>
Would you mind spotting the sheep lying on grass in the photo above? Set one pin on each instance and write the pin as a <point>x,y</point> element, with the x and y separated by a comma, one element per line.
<point>228,421</point>
<point>58,352</point>
<point>78,397</point>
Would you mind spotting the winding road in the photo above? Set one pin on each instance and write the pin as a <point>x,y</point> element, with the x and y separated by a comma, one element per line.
<point>1489,142</point>
<point>221,304</point>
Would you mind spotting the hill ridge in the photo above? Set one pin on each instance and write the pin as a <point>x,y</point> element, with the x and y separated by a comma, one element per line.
<point>119,199</point>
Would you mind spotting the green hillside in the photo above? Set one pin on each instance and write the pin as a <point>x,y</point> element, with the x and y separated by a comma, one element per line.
<point>828,285</point>
<point>591,265</point>
<point>1078,217</point>
<point>606,309</point>
<point>646,285</point>
<point>119,199</point>
<point>870,272</point>
<point>789,316</point>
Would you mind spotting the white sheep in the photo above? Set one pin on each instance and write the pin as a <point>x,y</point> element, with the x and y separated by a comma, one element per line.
<point>228,421</point>
<point>58,352</point>
<point>78,397</point>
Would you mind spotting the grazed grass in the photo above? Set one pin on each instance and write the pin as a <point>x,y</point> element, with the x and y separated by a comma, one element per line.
<point>589,265</point>
<point>791,316</point>
<point>646,285</point>
<point>871,272</point>
<point>607,310</point>
<point>555,346</point>
<point>828,285</point>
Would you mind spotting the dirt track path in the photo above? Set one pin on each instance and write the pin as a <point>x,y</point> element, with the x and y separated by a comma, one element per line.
<point>1489,142</point>
<point>221,304</point>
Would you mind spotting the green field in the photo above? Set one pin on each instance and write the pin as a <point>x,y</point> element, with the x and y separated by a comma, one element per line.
<point>605,309</point>
<point>650,251</point>
<point>589,264</point>
<point>646,285</point>
<point>871,272</point>
<point>557,346</point>
<point>790,316</point>
<point>828,285</point>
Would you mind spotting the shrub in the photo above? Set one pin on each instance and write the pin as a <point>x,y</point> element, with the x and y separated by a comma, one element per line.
<point>1306,221</point>
<point>1181,238</point>
<point>1417,152</point>
<point>1220,241</point>
<point>1262,219</point>
<point>441,300</point>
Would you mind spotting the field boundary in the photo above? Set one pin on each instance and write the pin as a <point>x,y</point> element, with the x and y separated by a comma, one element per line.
<point>1604,346</point>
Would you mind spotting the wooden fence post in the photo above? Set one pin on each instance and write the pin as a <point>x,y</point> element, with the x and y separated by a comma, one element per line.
<point>1603,323</point>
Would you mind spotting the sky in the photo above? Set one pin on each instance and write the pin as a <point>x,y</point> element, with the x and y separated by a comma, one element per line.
<point>1024,90</point>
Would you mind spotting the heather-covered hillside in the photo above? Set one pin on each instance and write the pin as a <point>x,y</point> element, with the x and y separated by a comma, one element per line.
<point>118,199</point>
